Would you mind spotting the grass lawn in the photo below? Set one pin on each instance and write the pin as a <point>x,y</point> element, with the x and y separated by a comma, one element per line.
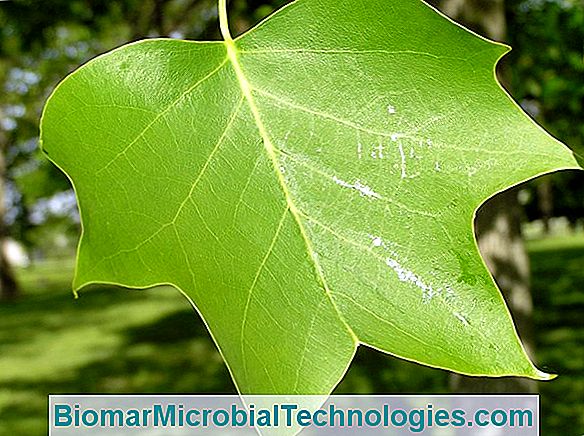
<point>109,340</point>
<point>558,294</point>
<point>112,340</point>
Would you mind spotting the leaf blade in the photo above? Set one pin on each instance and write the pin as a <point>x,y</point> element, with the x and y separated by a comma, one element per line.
<point>258,211</point>
<point>292,60</point>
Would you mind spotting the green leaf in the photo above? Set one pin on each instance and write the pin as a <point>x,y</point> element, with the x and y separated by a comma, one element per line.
<point>309,186</point>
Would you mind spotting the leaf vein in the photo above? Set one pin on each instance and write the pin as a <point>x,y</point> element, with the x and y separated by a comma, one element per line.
<point>163,113</point>
<point>383,199</point>
<point>347,51</point>
<point>271,151</point>
<point>210,158</point>
<point>253,285</point>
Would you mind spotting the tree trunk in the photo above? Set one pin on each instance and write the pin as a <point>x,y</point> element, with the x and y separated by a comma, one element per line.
<point>497,224</point>
<point>8,286</point>
<point>158,17</point>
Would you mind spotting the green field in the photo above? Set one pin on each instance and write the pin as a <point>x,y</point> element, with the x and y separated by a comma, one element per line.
<point>558,294</point>
<point>114,340</point>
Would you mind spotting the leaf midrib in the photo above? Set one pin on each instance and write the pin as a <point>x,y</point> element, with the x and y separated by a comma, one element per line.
<point>272,155</point>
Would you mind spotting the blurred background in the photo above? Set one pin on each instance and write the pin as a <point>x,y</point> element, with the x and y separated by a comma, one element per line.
<point>113,340</point>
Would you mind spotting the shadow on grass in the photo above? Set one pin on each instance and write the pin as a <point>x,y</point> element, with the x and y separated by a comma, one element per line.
<point>182,359</point>
<point>110,340</point>
<point>558,294</point>
<point>118,341</point>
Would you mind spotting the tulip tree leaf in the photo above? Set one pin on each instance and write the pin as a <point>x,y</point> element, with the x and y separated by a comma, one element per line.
<point>310,186</point>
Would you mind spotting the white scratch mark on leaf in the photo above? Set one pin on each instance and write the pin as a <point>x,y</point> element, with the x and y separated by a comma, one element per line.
<point>377,241</point>
<point>405,275</point>
<point>403,161</point>
<point>391,110</point>
<point>364,190</point>
<point>461,318</point>
<point>377,152</point>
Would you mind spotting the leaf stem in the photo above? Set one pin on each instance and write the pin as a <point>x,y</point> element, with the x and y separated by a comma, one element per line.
<point>223,21</point>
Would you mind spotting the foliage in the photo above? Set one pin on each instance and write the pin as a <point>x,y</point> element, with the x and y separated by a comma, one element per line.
<point>34,53</point>
<point>547,76</point>
<point>336,204</point>
<point>39,49</point>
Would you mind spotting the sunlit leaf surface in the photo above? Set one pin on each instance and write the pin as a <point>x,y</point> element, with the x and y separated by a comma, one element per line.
<point>310,186</point>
